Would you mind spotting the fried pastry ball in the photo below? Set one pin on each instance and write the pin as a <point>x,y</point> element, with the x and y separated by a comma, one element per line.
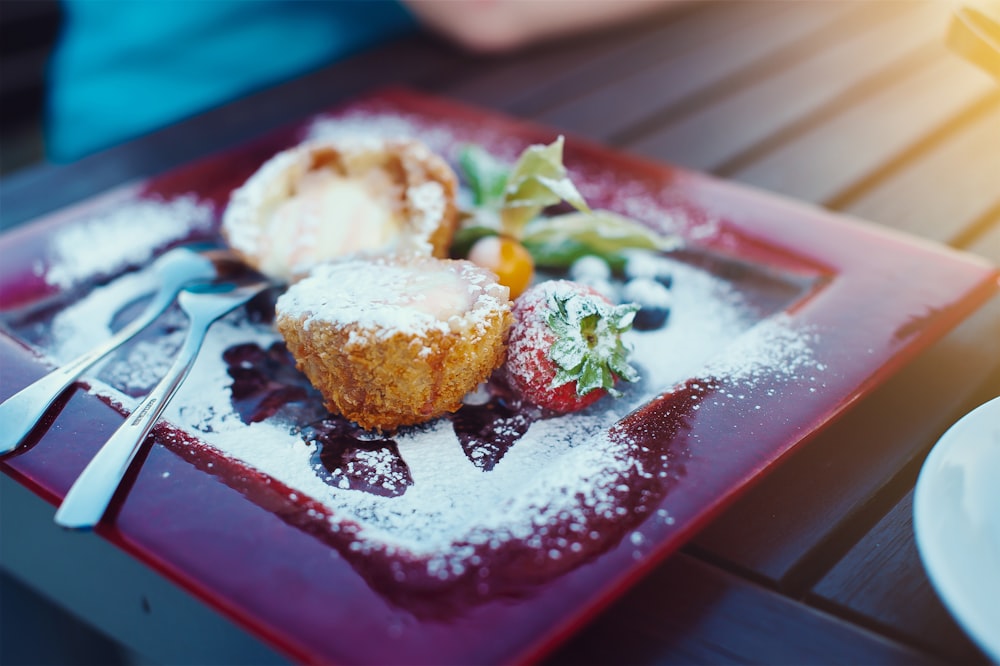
<point>392,341</point>
<point>328,198</point>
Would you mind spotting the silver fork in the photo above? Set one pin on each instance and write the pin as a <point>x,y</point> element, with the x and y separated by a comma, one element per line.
<point>175,269</point>
<point>89,497</point>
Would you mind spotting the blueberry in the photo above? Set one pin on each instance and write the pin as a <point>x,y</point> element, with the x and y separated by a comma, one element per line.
<point>647,264</point>
<point>653,299</point>
<point>650,318</point>
<point>589,268</point>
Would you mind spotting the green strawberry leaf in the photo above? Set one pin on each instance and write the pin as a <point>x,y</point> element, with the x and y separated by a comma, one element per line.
<point>592,376</point>
<point>618,363</point>
<point>621,317</point>
<point>588,349</point>
<point>567,353</point>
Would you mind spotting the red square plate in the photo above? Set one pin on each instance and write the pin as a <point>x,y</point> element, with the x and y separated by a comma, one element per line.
<point>838,307</point>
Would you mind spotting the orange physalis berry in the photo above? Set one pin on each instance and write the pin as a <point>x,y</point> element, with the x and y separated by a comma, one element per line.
<point>508,259</point>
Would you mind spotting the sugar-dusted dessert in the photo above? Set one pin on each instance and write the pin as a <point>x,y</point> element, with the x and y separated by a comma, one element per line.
<point>328,198</point>
<point>395,340</point>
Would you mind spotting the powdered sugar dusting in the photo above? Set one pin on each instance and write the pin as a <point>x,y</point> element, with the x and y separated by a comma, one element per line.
<point>78,329</point>
<point>444,136</point>
<point>427,200</point>
<point>386,297</point>
<point>772,346</point>
<point>271,181</point>
<point>125,236</point>
<point>706,315</point>
<point>374,127</point>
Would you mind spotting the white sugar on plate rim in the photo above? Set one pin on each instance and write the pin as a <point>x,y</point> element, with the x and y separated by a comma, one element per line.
<point>125,236</point>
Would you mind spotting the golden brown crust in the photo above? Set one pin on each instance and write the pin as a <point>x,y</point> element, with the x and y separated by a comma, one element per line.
<point>383,383</point>
<point>422,166</point>
<point>396,340</point>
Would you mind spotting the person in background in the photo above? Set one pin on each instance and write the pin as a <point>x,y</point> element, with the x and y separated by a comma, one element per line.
<point>122,68</point>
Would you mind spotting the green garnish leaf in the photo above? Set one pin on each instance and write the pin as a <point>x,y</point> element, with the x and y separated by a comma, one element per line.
<point>537,180</point>
<point>487,176</point>
<point>510,202</point>
<point>556,242</point>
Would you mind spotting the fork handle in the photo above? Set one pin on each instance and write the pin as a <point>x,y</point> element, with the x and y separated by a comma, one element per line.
<point>90,495</point>
<point>21,412</point>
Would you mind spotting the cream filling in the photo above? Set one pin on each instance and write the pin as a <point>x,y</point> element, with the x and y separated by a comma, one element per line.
<point>439,294</point>
<point>328,216</point>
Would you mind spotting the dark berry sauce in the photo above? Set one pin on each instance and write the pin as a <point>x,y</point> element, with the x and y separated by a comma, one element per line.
<point>487,431</point>
<point>264,380</point>
<point>351,458</point>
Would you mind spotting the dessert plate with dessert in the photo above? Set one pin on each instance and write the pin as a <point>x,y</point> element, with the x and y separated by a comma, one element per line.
<point>506,374</point>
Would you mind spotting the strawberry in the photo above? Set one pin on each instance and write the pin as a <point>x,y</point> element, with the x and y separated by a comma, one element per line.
<point>565,350</point>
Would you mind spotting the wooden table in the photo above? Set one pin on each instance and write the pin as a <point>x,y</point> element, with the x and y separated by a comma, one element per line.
<point>855,107</point>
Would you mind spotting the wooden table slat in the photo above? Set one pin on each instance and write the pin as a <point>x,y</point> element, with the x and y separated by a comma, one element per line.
<point>954,185</point>
<point>819,165</point>
<point>883,581</point>
<point>601,113</point>
<point>707,138</point>
<point>569,68</point>
<point>690,612</point>
<point>988,243</point>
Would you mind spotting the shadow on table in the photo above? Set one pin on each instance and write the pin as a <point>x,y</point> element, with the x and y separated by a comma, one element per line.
<point>35,631</point>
